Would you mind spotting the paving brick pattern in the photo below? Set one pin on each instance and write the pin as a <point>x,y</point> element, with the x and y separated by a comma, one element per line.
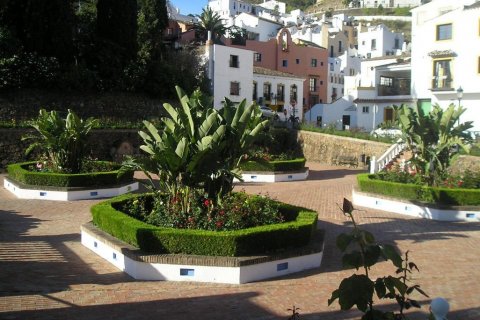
<point>45,273</point>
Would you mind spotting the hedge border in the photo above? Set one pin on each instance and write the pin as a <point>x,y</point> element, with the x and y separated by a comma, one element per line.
<point>276,165</point>
<point>19,173</point>
<point>414,192</point>
<point>251,241</point>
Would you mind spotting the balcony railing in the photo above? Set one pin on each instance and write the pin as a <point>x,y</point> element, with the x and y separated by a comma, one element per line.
<point>442,83</point>
<point>393,91</point>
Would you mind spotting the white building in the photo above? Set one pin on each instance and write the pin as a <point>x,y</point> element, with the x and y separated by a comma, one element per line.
<point>390,3</point>
<point>235,78</point>
<point>230,8</point>
<point>446,55</point>
<point>258,28</point>
<point>369,96</point>
<point>379,41</point>
<point>274,5</point>
<point>347,64</point>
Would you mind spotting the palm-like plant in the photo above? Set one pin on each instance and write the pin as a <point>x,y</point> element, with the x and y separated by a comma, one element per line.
<point>63,140</point>
<point>210,21</point>
<point>434,138</point>
<point>197,149</point>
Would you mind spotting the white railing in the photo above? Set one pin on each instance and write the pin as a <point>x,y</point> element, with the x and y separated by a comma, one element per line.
<point>387,157</point>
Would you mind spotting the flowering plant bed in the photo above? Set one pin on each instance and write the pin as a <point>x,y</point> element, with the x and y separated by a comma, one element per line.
<point>293,227</point>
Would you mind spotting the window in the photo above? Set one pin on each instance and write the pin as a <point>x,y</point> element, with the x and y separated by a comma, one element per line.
<point>444,31</point>
<point>313,84</point>
<point>321,63</point>
<point>386,81</point>
<point>321,82</point>
<point>255,91</point>
<point>397,43</point>
<point>293,93</point>
<point>257,57</point>
<point>280,92</point>
<point>234,88</point>
<point>334,93</point>
<point>267,91</point>
<point>340,48</point>
<point>442,77</point>
<point>374,44</point>
<point>297,61</point>
<point>314,63</point>
<point>331,67</point>
<point>285,63</point>
<point>365,109</point>
<point>363,43</point>
<point>234,61</point>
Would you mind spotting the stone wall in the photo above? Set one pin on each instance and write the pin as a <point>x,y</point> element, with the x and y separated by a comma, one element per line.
<point>25,104</point>
<point>324,148</point>
<point>104,145</point>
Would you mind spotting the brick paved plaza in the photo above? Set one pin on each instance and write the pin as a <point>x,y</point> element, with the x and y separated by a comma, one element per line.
<point>45,273</point>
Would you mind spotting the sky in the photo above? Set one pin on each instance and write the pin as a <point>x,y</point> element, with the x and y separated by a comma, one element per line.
<point>190,6</point>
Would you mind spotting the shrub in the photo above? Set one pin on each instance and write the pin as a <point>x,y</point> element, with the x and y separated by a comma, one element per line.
<point>257,240</point>
<point>416,192</point>
<point>279,165</point>
<point>20,172</point>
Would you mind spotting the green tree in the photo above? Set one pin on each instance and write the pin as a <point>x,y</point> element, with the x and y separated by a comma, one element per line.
<point>152,21</point>
<point>210,21</point>
<point>434,138</point>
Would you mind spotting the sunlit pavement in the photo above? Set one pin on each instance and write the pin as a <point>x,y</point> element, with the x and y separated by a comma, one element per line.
<point>45,273</point>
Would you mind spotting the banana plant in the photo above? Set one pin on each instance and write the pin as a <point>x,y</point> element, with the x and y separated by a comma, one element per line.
<point>243,124</point>
<point>434,138</point>
<point>63,140</point>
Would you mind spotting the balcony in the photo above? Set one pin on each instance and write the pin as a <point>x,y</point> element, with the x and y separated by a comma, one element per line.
<point>442,83</point>
<point>399,87</point>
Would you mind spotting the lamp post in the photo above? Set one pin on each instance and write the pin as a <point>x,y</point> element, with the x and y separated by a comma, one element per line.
<point>459,97</point>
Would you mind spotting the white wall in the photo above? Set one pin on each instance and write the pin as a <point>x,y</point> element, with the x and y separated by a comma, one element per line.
<point>224,74</point>
<point>385,42</point>
<point>265,29</point>
<point>464,47</point>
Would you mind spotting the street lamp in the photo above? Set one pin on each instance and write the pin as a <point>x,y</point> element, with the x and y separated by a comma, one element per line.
<point>459,95</point>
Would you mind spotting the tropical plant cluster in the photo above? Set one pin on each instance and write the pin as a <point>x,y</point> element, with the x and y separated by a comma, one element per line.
<point>433,138</point>
<point>62,140</point>
<point>196,153</point>
<point>296,231</point>
<point>361,251</point>
<point>106,45</point>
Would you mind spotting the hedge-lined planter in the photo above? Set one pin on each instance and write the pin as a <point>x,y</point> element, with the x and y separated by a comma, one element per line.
<point>410,199</point>
<point>154,253</point>
<point>297,232</point>
<point>27,184</point>
<point>274,171</point>
<point>414,192</point>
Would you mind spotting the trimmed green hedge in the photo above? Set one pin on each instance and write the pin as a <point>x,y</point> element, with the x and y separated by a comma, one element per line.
<point>277,165</point>
<point>414,192</point>
<point>257,240</point>
<point>19,172</point>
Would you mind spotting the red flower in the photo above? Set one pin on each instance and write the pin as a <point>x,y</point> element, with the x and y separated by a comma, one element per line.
<point>219,224</point>
<point>460,183</point>
<point>221,212</point>
<point>206,202</point>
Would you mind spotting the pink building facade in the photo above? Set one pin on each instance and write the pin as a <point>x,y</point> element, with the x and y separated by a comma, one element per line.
<point>307,61</point>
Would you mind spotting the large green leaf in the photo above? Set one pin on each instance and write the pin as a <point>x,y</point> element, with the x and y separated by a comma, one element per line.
<point>355,290</point>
